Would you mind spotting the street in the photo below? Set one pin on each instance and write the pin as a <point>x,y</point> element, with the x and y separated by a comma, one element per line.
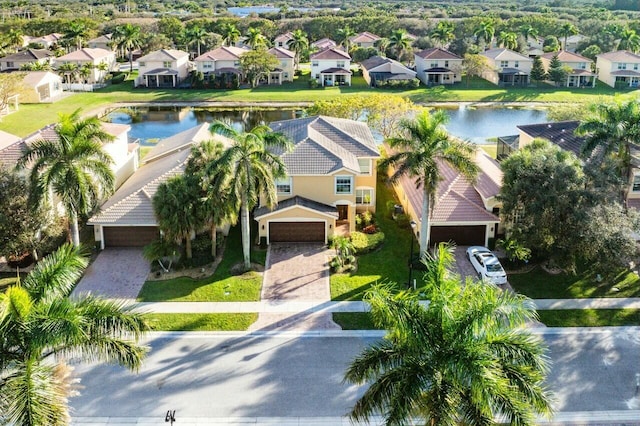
<point>266,376</point>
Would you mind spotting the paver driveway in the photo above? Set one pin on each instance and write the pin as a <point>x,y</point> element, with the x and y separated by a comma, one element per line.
<point>117,273</point>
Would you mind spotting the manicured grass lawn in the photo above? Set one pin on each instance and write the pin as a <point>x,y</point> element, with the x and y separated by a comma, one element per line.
<point>590,317</point>
<point>354,320</point>
<point>387,264</point>
<point>201,322</point>
<point>538,284</point>
<point>222,286</point>
<point>491,149</point>
<point>32,117</point>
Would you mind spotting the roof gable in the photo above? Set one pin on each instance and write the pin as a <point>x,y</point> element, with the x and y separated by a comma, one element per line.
<point>163,55</point>
<point>437,53</point>
<point>281,53</point>
<point>29,55</point>
<point>364,37</point>
<point>223,53</point>
<point>565,56</point>
<point>330,53</point>
<point>503,54</point>
<point>85,54</point>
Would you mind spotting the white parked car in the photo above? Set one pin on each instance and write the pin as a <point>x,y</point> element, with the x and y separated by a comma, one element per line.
<point>486,265</point>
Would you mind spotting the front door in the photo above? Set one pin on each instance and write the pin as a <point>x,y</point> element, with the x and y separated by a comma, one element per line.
<point>343,212</point>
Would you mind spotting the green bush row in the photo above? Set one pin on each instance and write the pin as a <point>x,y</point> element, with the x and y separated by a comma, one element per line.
<point>364,243</point>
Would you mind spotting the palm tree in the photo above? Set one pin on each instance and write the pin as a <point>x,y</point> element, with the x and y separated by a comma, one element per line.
<point>467,358</point>
<point>74,167</point>
<point>615,128</point>
<point>567,29</point>
<point>218,203</point>
<point>399,41</point>
<point>178,208</point>
<point>419,152</point>
<point>629,40</point>
<point>230,34</point>
<point>485,31</point>
<point>197,35</point>
<point>508,40</point>
<point>14,38</point>
<point>299,43</point>
<point>344,37</point>
<point>40,326</point>
<point>443,33</point>
<point>128,37</point>
<point>85,71</point>
<point>76,34</point>
<point>255,39</point>
<point>68,71</point>
<point>250,166</point>
<point>527,31</point>
<point>382,45</point>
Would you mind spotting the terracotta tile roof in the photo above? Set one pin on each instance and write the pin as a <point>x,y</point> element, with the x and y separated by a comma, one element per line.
<point>560,133</point>
<point>298,201</point>
<point>565,56</point>
<point>330,53</point>
<point>282,53</point>
<point>437,53</point>
<point>620,56</point>
<point>163,55</point>
<point>183,141</point>
<point>364,37</point>
<point>324,43</point>
<point>223,53</point>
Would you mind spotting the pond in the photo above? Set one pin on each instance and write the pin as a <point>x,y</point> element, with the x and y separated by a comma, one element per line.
<point>152,123</point>
<point>243,12</point>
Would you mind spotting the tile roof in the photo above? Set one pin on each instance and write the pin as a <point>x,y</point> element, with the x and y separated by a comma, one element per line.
<point>29,55</point>
<point>86,54</point>
<point>179,142</point>
<point>51,38</point>
<point>330,53</point>
<point>364,37</point>
<point>34,78</point>
<point>626,73</point>
<point>322,145</point>
<point>377,61</point>
<point>335,70</point>
<point>7,139</point>
<point>163,55</point>
<point>284,37</point>
<point>560,133</point>
<point>282,53</point>
<point>104,38</point>
<point>620,56</point>
<point>298,201</point>
<point>565,56</point>
<point>503,54</point>
<point>323,43</point>
<point>437,53</point>
<point>222,53</point>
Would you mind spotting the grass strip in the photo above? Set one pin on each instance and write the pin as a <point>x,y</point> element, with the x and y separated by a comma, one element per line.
<point>590,317</point>
<point>201,322</point>
<point>354,320</point>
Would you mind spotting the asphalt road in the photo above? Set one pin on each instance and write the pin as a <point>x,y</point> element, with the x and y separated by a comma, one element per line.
<point>252,376</point>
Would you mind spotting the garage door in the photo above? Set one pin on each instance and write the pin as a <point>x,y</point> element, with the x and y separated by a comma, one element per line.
<point>296,232</point>
<point>129,236</point>
<point>461,235</point>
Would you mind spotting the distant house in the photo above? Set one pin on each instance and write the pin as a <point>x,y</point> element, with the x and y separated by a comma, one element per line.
<point>26,57</point>
<point>580,75</point>
<point>285,71</point>
<point>165,68</point>
<point>331,67</point>
<point>508,68</point>
<point>47,40</point>
<point>104,41</point>
<point>222,61</point>
<point>283,40</point>
<point>44,86</point>
<point>364,40</point>
<point>378,70</point>
<point>573,42</point>
<point>618,69</point>
<point>323,43</point>
<point>100,61</point>
<point>438,66</point>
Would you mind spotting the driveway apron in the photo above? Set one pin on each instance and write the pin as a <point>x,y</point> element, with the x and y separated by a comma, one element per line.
<point>296,272</point>
<point>117,273</point>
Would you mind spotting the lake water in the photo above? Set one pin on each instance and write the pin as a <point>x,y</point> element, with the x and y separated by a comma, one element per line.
<point>243,12</point>
<point>152,123</point>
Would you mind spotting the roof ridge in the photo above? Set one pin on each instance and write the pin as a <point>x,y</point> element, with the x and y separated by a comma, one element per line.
<point>480,208</point>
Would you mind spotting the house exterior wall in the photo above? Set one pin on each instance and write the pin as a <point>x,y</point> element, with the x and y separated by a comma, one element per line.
<point>605,68</point>
<point>124,162</point>
<point>296,214</point>
<point>286,64</point>
<point>96,75</point>
<point>210,66</point>
<point>181,65</point>
<point>16,65</point>
<point>318,65</point>
<point>51,85</point>
<point>422,65</point>
<point>496,65</point>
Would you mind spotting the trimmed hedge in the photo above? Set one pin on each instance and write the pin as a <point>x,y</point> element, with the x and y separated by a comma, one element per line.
<point>364,243</point>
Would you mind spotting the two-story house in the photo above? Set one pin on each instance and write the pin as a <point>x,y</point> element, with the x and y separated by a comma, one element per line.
<point>331,67</point>
<point>331,176</point>
<point>100,62</point>
<point>580,74</point>
<point>285,71</point>
<point>618,69</point>
<point>573,41</point>
<point>508,68</point>
<point>438,66</point>
<point>46,41</point>
<point>104,41</point>
<point>378,70</point>
<point>163,68</point>
<point>17,61</point>
<point>364,40</point>
<point>323,43</point>
<point>283,40</point>
<point>224,60</point>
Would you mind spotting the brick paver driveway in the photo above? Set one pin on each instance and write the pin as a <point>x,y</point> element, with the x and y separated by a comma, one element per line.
<point>117,273</point>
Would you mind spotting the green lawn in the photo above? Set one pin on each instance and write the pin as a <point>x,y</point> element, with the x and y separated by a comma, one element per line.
<point>538,284</point>
<point>222,286</point>
<point>354,320</point>
<point>201,322</point>
<point>590,317</point>
<point>491,149</point>
<point>388,263</point>
<point>32,117</point>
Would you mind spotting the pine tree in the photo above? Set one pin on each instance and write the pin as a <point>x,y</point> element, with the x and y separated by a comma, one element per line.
<point>557,73</point>
<point>537,71</point>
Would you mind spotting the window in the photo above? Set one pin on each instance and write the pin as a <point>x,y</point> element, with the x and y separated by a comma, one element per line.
<point>207,65</point>
<point>622,66</point>
<point>340,64</point>
<point>280,44</point>
<point>141,64</point>
<point>636,183</point>
<point>283,186</point>
<point>365,166</point>
<point>10,65</point>
<point>635,67</point>
<point>359,44</point>
<point>434,64</point>
<point>364,196</point>
<point>236,63</point>
<point>343,184</point>
<point>166,64</point>
<point>516,64</point>
<point>286,75</point>
<point>446,64</point>
<point>583,65</point>
<point>314,63</point>
<point>504,64</point>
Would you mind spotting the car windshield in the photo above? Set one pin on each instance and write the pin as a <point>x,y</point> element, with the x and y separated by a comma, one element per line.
<point>494,267</point>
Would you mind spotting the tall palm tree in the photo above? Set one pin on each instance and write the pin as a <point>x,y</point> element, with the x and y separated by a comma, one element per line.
<point>251,166</point>
<point>399,41</point>
<point>14,38</point>
<point>467,358</point>
<point>76,33</point>
<point>68,71</point>
<point>508,40</point>
<point>527,31</point>
<point>567,29</point>
<point>230,34</point>
<point>40,326</point>
<point>485,31</point>
<point>255,38</point>
<point>299,44</point>
<point>423,145</point>
<point>382,45</point>
<point>218,204</point>
<point>73,167</point>
<point>344,37</point>
<point>629,40</point>
<point>614,127</point>
<point>128,37</point>
<point>443,33</point>
<point>178,208</point>
<point>196,35</point>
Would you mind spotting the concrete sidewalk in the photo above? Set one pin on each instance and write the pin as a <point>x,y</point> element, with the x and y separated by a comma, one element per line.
<point>324,306</point>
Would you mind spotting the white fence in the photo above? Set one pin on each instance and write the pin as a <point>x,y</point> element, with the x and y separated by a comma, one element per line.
<point>79,87</point>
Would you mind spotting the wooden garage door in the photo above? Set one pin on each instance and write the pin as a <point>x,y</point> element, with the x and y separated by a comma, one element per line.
<point>461,235</point>
<point>296,232</point>
<point>129,236</point>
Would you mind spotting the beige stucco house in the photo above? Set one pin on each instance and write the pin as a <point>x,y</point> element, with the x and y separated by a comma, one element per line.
<point>285,71</point>
<point>283,40</point>
<point>331,176</point>
<point>438,66</point>
<point>580,75</point>
<point>508,68</point>
<point>618,69</point>
<point>377,70</point>
<point>573,41</point>
<point>47,40</point>
<point>26,57</point>
<point>101,61</point>
<point>331,67</point>
<point>364,40</point>
<point>220,61</point>
<point>104,41</point>
<point>164,68</point>
<point>42,86</point>
<point>323,43</point>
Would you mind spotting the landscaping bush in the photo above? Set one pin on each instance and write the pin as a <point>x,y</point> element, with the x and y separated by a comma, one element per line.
<point>398,84</point>
<point>313,83</point>
<point>371,229</point>
<point>118,77</point>
<point>364,243</point>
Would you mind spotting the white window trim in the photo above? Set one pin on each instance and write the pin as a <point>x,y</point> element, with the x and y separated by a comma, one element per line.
<point>372,192</point>
<point>633,181</point>
<point>335,184</point>
<point>370,166</point>
<point>282,182</point>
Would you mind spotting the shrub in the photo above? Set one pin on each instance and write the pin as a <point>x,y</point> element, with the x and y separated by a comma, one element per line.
<point>364,243</point>
<point>118,78</point>
<point>371,229</point>
<point>367,218</point>
<point>313,83</point>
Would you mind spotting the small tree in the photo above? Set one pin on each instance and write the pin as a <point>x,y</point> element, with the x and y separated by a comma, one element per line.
<point>474,65</point>
<point>256,63</point>
<point>557,72</point>
<point>164,251</point>
<point>538,73</point>
<point>10,84</point>
<point>551,44</point>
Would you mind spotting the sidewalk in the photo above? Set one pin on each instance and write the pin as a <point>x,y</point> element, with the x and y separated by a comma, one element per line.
<point>323,306</point>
